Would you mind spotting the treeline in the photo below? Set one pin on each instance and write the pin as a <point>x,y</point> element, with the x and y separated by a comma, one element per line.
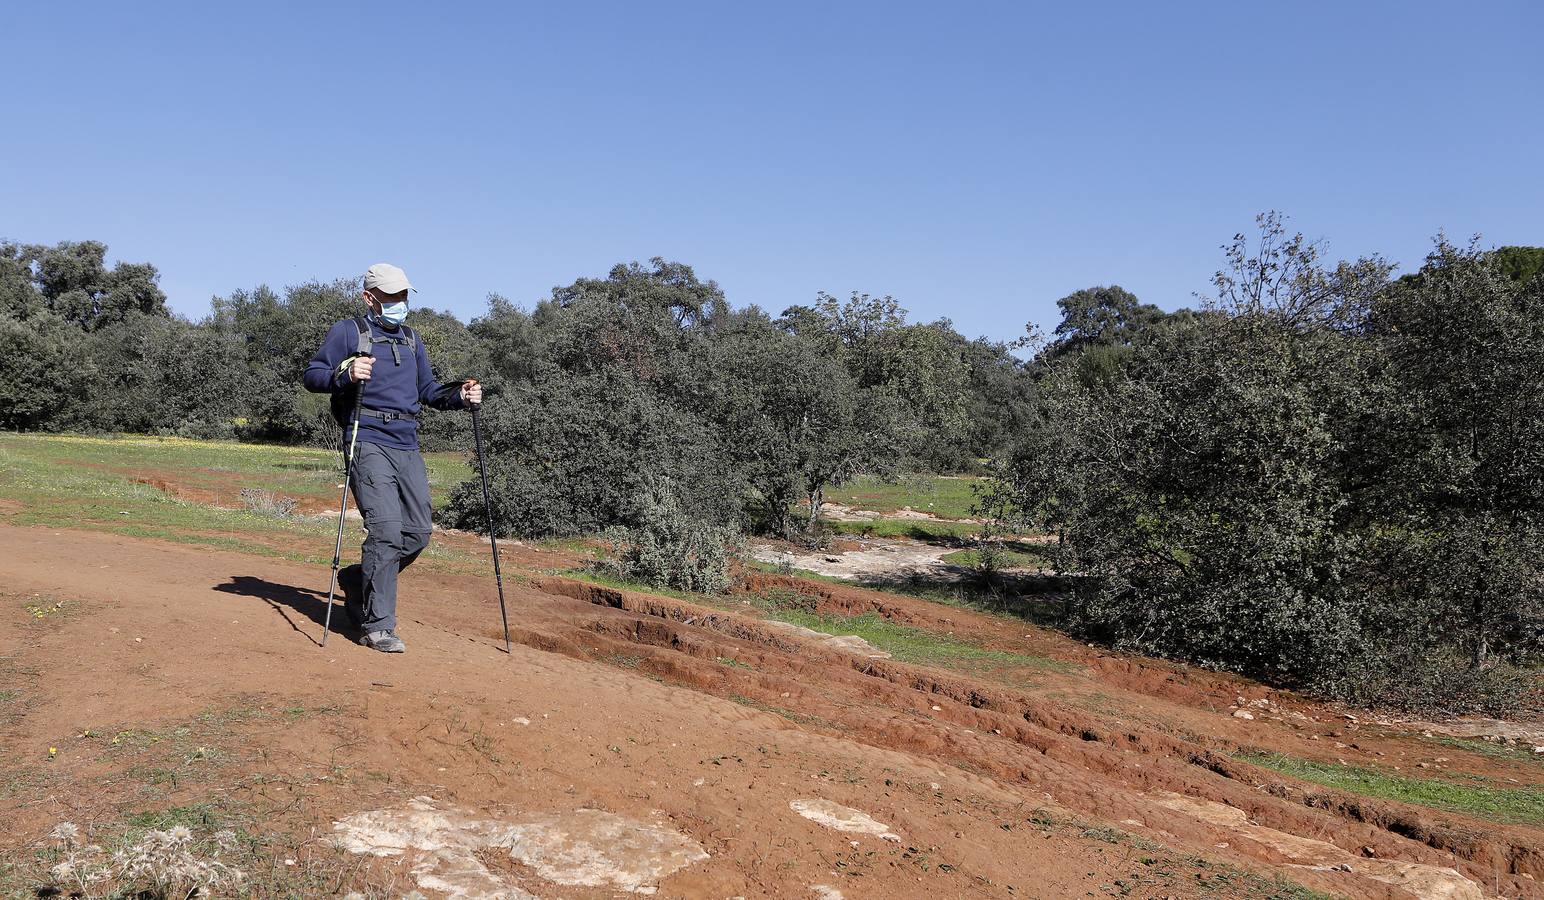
<point>609,397</point>
<point>1325,478</point>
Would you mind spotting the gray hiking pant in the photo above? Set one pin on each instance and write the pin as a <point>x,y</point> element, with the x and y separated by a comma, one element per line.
<point>391,487</point>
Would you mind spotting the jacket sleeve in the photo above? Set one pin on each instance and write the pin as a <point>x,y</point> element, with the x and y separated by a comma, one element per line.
<point>430,392</point>
<point>322,375</point>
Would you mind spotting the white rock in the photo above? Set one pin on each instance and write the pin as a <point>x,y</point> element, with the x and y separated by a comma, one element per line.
<point>583,848</point>
<point>1242,714</point>
<point>842,818</point>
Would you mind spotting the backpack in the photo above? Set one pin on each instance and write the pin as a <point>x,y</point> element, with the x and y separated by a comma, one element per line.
<point>341,404</point>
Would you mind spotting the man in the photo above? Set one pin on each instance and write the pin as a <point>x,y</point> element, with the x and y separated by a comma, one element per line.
<point>390,484</point>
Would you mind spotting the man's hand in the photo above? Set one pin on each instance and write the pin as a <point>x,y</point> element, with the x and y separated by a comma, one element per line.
<point>471,393</point>
<point>359,368</point>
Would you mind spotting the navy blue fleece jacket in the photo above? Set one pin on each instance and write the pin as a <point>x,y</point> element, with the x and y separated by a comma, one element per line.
<point>404,386</point>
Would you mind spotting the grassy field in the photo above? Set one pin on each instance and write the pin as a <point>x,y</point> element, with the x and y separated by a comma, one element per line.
<point>293,471</point>
<point>917,529</point>
<point>944,496</point>
<point>107,484</point>
<point>1009,558</point>
<point>1470,794</point>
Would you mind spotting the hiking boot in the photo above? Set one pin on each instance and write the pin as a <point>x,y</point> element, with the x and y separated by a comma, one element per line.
<point>351,580</point>
<point>384,641</point>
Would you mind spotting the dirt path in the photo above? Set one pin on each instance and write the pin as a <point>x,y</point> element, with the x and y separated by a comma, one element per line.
<point>670,746</point>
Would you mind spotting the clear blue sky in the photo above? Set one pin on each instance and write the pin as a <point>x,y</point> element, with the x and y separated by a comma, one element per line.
<point>976,160</point>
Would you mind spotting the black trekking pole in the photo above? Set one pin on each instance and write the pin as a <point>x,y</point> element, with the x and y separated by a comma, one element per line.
<point>337,547</point>
<point>482,470</point>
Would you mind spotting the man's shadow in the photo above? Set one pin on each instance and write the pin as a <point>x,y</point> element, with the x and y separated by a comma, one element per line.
<point>286,598</point>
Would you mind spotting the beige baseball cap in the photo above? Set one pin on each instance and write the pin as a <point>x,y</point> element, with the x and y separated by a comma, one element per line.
<point>387,278</point>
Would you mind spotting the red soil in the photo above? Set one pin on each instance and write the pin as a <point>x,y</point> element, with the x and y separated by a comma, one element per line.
<point>715,719</point>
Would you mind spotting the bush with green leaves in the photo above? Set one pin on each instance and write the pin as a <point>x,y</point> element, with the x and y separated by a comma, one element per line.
<point>667,547</point>
<point>1324,479</point>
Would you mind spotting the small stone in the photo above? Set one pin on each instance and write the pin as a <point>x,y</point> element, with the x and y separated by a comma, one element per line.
<point>937,708</point>
<point>934,785</point>
<point>1242,714</point>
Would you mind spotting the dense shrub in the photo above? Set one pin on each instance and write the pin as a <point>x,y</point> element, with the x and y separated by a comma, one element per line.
<point>669,548</point>
<point>1325,480</point>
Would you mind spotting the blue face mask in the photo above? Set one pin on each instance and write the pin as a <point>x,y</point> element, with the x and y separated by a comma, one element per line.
<point>394,313</point>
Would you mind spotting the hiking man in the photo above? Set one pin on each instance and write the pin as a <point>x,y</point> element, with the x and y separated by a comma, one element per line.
<point>390,484</point>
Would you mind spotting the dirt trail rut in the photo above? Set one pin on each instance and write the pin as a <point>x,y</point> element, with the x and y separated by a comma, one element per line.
<point>715,728</point>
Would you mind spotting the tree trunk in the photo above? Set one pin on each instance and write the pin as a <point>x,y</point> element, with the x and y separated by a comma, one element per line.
<point>1481,642</point>
<point>817,495</point>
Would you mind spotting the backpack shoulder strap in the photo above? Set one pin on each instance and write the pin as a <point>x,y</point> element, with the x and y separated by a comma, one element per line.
<point>364,335</point>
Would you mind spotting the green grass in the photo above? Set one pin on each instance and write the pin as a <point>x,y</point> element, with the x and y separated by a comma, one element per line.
<point>903,642</point>
<point>959,595</point>
<point>946,497</point>
<point>917,529</point>
<point>291,471</point>
<point>1486,748</point>
<point>1476,796</point>
<point>1008,558</point>
<point>69,481</point>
